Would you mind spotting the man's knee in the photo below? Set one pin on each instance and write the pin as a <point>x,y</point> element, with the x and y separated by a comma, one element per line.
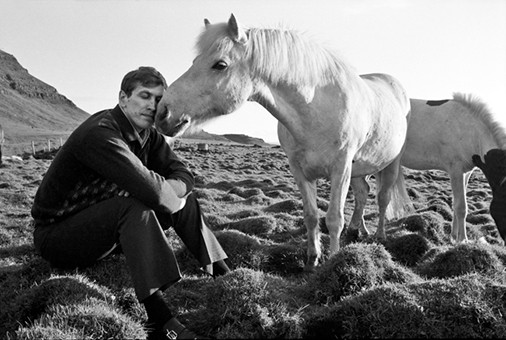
<point>132,208</point>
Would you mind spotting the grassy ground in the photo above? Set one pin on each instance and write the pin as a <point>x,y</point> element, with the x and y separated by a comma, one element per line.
<point>415,284</point>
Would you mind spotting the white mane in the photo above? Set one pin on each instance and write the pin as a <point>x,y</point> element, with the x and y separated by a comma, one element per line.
<point>289,56</point>
<point>281,55</point>
<point>482,112</point>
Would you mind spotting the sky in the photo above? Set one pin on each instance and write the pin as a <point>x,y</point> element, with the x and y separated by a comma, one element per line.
<point>83,48</point>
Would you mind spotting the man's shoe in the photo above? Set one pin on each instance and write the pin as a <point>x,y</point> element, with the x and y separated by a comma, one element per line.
<point>173,329</point>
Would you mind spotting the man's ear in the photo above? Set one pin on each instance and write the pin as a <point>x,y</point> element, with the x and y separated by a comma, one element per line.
<point>122,99</point>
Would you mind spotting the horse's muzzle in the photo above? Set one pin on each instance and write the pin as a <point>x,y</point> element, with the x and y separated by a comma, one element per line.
<point>166,124</point>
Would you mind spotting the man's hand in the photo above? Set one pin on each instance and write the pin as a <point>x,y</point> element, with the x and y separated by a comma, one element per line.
<point>182,204</point>
<point>178,186</point>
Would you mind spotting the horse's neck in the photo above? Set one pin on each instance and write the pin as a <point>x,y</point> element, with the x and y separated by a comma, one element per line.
<point>287,104</point>
<point>487,135</point>
<point>294,108</point>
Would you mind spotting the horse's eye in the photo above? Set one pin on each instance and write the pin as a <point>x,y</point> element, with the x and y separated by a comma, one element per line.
<point>220,65</point>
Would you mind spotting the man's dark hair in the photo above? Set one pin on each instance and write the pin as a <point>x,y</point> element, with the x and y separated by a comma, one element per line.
<point>145,75</point>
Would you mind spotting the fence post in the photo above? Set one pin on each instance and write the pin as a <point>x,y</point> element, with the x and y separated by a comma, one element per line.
<point>33,148</point>
<point>1,143</point>
<point>48,145</point>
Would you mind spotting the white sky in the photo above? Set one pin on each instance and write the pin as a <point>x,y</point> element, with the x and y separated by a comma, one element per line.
<point>84,47</point>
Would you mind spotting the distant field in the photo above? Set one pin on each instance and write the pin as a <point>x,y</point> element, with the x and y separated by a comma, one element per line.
<point>19,145</point>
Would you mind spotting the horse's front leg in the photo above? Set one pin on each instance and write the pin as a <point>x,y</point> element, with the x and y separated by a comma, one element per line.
<point>459,182</point>
<point>307,189</point>
<point>340,182</point>
<point>360,192</point>
<point>308,192</point>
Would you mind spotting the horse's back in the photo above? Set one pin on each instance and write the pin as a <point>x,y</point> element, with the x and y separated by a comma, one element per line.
<point>441,134</point>
<point>384,84</point>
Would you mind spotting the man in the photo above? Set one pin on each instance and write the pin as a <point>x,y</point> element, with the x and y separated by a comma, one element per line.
<point>494,170</point>
<point>117,182</point>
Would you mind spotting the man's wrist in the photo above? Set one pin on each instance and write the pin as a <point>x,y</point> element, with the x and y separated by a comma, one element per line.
<point>178,186</point>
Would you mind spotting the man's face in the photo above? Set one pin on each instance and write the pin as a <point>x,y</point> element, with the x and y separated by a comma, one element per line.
<point>140,107</point>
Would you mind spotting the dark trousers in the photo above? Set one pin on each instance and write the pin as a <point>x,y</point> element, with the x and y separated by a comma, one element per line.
<point>85,237</point>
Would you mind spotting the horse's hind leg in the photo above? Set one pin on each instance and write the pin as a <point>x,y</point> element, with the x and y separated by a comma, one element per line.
<point>385,180</point>
<point>360,192</point>
<point>459,182</point>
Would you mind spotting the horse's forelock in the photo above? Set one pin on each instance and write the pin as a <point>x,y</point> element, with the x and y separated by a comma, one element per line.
<point>211,36</point>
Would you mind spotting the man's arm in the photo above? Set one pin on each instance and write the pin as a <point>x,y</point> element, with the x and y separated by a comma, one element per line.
<point>164,161</point>
<point>106,153</point>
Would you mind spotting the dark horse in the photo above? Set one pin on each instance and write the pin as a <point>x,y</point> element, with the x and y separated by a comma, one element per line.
<point>494,169</point>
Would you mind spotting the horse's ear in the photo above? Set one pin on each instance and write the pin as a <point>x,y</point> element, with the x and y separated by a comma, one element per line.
<point>207,22</point>
<point>238,34</point>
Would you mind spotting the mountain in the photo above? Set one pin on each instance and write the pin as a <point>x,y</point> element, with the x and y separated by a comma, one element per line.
<point>244,139</point>
<point>30,108</point>
<point>33,111</point>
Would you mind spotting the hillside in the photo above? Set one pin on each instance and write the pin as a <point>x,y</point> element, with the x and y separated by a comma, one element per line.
<point>30,108</point>
<point>33,111</point>
<point>226,138</point>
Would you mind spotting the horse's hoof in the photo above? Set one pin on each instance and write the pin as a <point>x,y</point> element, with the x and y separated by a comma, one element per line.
<point>482,240</point>
<point>310,267</point>
<point>381,236</point>
<point>351,236</point>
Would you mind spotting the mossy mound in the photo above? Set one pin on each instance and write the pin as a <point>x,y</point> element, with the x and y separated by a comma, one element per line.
<point>258,225</point>
<point>92,319</point>
<point>287,206</point>
<point>428,224</point>
<point>407,249</point>
<point>462,259</point>
<point>354,268</point>
<point>464,307</point>
<point>248,303</point>
<point>59,290</point>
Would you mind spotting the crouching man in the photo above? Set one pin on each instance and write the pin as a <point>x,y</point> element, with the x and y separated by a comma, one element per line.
<point>116,182</point>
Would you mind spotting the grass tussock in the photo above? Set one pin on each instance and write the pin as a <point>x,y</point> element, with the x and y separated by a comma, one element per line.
<point>466,307</point>
<point>354,268</point>
<point>462,259</point>
<point>244,304</point>
<point>91,319</point>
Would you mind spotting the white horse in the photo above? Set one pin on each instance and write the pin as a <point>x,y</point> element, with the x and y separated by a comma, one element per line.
<point>333,123</point>
<point>444,135</point>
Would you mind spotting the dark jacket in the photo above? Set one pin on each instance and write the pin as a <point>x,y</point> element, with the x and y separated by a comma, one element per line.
<point>103,156</point>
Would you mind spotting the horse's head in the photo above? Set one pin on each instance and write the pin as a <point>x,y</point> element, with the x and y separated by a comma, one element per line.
<point>216,84</point>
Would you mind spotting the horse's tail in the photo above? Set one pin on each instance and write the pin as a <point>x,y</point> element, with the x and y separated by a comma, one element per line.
<point>400,204</point>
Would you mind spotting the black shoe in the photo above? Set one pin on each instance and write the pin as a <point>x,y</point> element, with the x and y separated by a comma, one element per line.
<point>173,329</point>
